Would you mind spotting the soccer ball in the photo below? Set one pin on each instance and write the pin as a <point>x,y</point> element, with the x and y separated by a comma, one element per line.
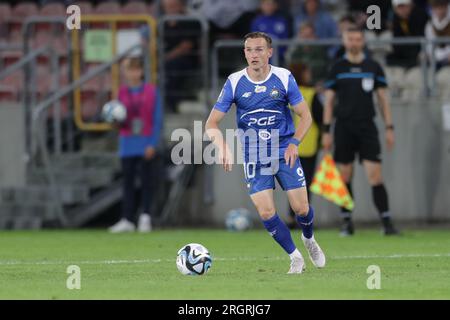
<point>114,111</point>
<point>193,259</point>
<point>238,220</point>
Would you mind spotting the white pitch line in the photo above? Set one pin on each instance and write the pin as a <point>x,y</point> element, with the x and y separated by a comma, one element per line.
<point>151,261</point>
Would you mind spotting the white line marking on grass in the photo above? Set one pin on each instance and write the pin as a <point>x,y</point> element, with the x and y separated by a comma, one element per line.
<point>150,261</point>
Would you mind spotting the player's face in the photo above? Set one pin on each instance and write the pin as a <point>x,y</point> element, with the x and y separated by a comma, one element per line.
<point>257,52</point>
<point>353,42</point>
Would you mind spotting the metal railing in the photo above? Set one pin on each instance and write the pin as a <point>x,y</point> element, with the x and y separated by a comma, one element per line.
<point>38,127</point>
<point>30,90</point>
<point>149,53</point>
<point>428,67</point>
<point>30,59</point>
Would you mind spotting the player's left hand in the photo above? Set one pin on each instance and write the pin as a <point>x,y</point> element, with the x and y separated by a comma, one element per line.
<point>291,155</point>
<point>390,139</point>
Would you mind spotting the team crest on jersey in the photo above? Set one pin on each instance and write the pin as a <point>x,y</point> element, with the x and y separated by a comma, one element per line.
<point>264,134</point>
<point>275,93</point>
<point>367,84</point>
<point>260,89</point>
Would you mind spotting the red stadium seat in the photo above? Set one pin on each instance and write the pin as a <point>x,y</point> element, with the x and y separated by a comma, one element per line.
<point>50,10</point>
<point>5,15</point>
<point>89,105</point>
<point>110,7</point>
<point>19,13</point>
<point>53,9</point>
<point>10,87</point>
<point>5,11</point>
<point>85,7</point>
<point>134,7</point>
<point>25,9</point>
<point>8,93</point>
<point>10,57</point>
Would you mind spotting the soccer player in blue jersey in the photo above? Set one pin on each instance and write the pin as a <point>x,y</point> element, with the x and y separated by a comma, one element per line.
<point>262,94</point>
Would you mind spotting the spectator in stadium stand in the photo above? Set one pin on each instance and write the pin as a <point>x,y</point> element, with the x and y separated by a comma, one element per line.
<point>313,56</point>
<point>439,26</point>
<point>358,8</point>
<point>138,145</point>
<point>346,22</point>
<point>310,146</point>
<point>274,23</point>
<point>324,25</point>
<point>228,19</point>
<point>180,52</point>
<point>408,21</point>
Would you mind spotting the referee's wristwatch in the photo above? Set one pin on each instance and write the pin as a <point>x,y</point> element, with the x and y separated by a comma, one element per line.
<point>390,127</point>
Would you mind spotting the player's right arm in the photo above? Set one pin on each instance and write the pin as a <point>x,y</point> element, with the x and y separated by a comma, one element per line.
<point>216,136</point>
<point>212,130</point>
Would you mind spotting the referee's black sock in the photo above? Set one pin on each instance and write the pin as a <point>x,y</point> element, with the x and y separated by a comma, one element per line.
<point>380,199</point>
<point>345,213</point>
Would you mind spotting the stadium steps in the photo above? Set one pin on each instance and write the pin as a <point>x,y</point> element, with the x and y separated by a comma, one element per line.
<point>26,216</point>
<point>92,177</point>
<point>88,183</point>
<point>42,194</point>
<point>101,201</point>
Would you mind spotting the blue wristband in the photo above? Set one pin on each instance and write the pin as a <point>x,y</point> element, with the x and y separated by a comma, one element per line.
<point>294,141</point>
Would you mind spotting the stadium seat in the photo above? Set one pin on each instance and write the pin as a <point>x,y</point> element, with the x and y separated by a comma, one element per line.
<point>395,77</point>
<point>53,9</point>
<point>11,86</point>
<point>25,9</point>
<point>135,7</point>
<point>85,7</point>
<point>132,7</point>
<point>5,15</point>
<point>10,57</point>
<point>19,13</point>
<point>110,7</point>
<point>5,11</point>
<point>8,93</point>
<point>89,105</point>
<point>443,83</point>
<point>413,85</point>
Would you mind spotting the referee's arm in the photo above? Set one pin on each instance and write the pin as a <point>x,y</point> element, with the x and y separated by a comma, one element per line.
<point>385,108</point>
<point>327,140</point>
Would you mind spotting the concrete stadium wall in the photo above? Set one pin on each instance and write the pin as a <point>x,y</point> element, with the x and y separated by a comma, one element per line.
<point>416,173</point>
<point>12,145</point>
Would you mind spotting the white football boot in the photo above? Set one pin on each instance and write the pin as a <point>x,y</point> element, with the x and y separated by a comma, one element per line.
<point>122,226</point>
<point>297,265</point>
<point>145,223</point>
<point>315,253</point>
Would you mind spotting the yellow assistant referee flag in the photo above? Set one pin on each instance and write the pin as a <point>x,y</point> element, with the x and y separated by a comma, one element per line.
<point>328,183</point>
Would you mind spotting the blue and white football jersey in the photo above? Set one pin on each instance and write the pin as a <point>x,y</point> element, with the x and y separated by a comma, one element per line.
<point>263,107</point>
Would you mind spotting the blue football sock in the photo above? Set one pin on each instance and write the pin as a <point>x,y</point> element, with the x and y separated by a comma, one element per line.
<point>280,232</point>
<point>306,222</point>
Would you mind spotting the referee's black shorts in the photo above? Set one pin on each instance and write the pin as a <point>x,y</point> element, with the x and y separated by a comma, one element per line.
<point>353,137</point>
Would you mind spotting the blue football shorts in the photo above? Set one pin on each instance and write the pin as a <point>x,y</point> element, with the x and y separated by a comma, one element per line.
<point>259,177</point>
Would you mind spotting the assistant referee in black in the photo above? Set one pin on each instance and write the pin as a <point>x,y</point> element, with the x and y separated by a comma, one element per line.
<point>353,80</point>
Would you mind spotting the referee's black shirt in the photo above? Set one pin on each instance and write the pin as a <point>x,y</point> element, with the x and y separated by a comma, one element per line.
<point>354,84</point>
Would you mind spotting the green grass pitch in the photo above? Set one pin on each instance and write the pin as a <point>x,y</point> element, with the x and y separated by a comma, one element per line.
<point>248,265</point>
